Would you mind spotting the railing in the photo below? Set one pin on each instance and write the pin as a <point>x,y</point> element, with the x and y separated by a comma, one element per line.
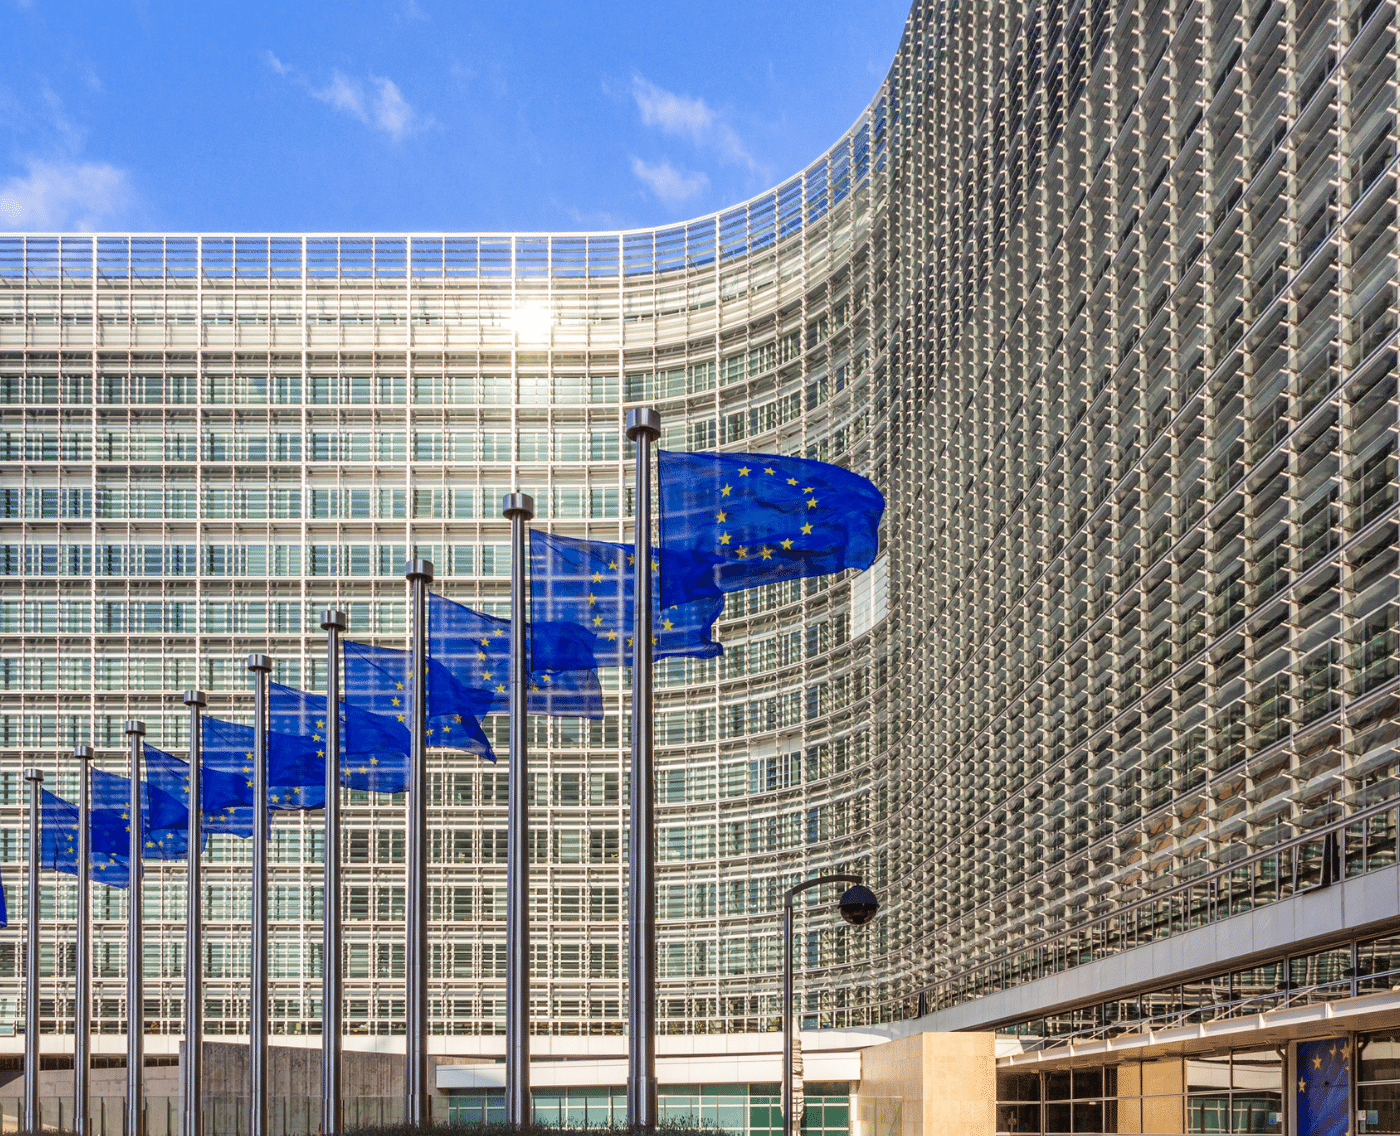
<point>1362,842</point>
<point>1220,1011</point>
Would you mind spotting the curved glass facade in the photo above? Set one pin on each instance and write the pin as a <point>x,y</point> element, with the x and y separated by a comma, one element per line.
<point>1102,297</point>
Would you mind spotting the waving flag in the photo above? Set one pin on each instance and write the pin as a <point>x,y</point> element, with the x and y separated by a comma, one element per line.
<point>169,780</point>
<point>58,848</point>
<point>581,607</point>
<point>475,648</point>
<point>296,775</point>
<point>734,521</point>
<point>377,682</point>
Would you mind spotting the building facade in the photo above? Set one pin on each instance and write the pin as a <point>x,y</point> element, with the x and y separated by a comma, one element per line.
<point>1102,296</point>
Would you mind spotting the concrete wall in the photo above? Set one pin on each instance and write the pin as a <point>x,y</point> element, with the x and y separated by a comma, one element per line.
<point>929,1084</point>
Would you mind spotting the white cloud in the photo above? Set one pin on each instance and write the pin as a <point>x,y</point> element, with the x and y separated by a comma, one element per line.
<point>667,182</point>
<point>691,118</point>
<point>380,104</point>
<point>64,196</point>
<point>392,114</point>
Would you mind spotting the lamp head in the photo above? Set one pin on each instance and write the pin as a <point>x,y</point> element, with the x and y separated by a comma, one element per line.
<point>859,905</point>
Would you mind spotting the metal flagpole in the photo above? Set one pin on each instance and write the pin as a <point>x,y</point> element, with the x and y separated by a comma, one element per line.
<point>420,575</point>
<point>791,894</point>
<point>135,994</point>
<point>193,1088</point>
<point>35,777</point>
<point>260,665</point>
<point>332,1120</point>
<point>520,508</point>
<point>643,428</point>
<point>82,1002</point>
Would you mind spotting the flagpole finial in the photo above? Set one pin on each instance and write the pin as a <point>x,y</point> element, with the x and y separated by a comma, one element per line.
<point>334,621</point>
<point>415,569</point>
<point>196,698</point>
<point>259,663</point>
<point>643,420</point>
<point>33,774</point>
<point>134,726</point>
<point>82,753</point>
<point>522,503</point>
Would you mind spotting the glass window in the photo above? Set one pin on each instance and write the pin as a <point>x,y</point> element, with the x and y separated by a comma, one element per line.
<point>1380,1057</point>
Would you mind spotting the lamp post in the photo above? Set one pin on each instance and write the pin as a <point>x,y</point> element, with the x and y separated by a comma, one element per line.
<point>858,906</point>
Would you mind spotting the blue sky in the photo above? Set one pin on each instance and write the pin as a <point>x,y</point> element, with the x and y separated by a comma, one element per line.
<point>420,114</point>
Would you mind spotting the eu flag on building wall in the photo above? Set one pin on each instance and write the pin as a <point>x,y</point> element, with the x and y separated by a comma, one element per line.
<point>734,521</point>
<point>1323,1089</point>
<point>169,781</point>
<point>581,608</point>
<point>377,680</point>
<point>296,776</point>
<point>58,847</point>
<point>475,647</point>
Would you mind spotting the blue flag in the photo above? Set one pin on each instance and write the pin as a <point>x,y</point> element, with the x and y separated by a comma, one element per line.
<point>58,837</point>
<point>377,681</point>
<point>296,776</point>
<point>476,648</point>
<point>581,608</point>
<point>169,780</point>
<point>373,749</point>
<point>734,521</point>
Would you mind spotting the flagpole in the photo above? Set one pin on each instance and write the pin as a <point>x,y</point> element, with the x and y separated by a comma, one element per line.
<point>35,777</point>
<point>193,1112</point>
<point>520,508</point>
<point>82,1002</point>
<point>420,575</point>
<point>260,665</point>
<point>135,993</point>
<point>643,428</point>
<point>333,623</point>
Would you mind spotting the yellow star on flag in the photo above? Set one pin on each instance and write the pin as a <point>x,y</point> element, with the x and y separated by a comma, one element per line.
<point>743,471</point>
<point>724,538</point>
<point>811,502</point>
<point>767,554</point>
<point>597,621</point>
<point>741,552</point>
<point>666,625</point>
<point>787,544</point>
<point>769,470</point>
<point>720,516</point>
<point>792,481</point>
<point>724,492</point>
<point>597,577</point>
<point>807,529</point>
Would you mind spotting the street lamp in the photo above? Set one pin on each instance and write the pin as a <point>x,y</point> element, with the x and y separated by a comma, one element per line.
<point>858,907</point>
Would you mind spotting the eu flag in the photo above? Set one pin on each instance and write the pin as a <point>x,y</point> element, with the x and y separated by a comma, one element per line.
<point>296,776</point>
<point>475,647</point>
<point>373,749</point>
<point>1323,1091</point>
<point>168,779</point>
<point>734,521</point>
<point>378,679</point>
<point>58,841</point>
<point>581,607</point>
